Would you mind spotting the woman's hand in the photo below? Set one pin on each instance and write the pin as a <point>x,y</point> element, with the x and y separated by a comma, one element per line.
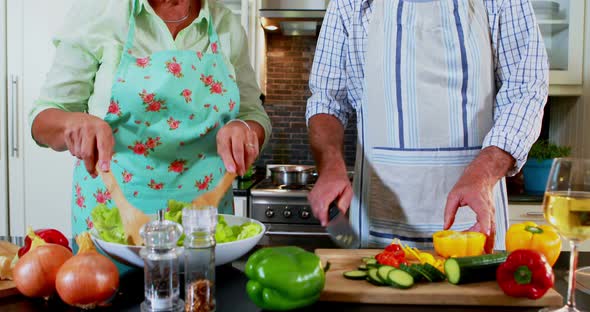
<point>90,139</point>
<point>238,145</point>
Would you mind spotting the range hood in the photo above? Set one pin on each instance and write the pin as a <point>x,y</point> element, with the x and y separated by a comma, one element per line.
<point>292,17</point>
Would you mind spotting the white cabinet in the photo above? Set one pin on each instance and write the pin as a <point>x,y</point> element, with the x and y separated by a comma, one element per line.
<point>247,11</point>
<point>241,206</point>
<point>3,134</point>
<point>562,26</point>
<point>518,213</point>
<point>39,179</point>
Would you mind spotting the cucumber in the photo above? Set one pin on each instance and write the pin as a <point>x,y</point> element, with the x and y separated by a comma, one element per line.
<point>473,269</point>
<point>373,278</point>
<point>383,272</point>
<point>355,275</point>
<point>434,272</point>
<point>415,274</point>
<point>363,267</point>
<point>400,279</point>
<point>373,265</point>
<point>369,259</point>
<point>424,273</point>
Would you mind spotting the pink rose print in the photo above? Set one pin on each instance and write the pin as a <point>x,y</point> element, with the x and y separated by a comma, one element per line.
<point>207,105</point>
<point>174,68</point>
<point>147,123</point>
<point>137,122</point>
<point>115,130</point>
<point>149,100</point>
<point>186,94</point>
<point>180,186</point>
<point>147,77</point>
<point>102,197</point>
<point>135,193</point>
<point>194,67</point>
<point>114,108</point>
<point>178,166</point>
<point>156,186</point>
<point>200,55</point>
<point>80,201</point>
<point>78,163</point>
<point>148,167</point>
<point>151,143</point>
<point>207,80</point>
<point>232,104</point>
<point>127,176</point>
<point>78,190</point>
<point>204,184</point>
<point>139,148</point>
<point>215,108</point>
<point>173,124</point>
<point>201,156</point>
<point>155,106</point>
<point>214,47</point>
<point>181,143</point>
<point>143,62</point>
<point>191,117</point>
<point>120,80</point>
<point>217,88</point>
<point>89,224</point>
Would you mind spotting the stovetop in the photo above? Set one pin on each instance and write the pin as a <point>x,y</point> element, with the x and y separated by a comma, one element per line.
<point>267,188</point>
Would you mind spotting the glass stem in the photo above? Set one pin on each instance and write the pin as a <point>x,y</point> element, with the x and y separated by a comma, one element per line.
<point>571,287</point>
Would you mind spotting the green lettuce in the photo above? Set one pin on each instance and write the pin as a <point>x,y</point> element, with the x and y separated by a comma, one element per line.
<point>110,227</point>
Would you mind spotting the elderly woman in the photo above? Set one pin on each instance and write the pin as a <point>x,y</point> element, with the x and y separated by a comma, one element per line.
<point>160,92</point>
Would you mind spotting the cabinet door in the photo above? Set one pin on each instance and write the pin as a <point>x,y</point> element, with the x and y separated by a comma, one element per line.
<point>39,178</point>
<point>562,27</point>
<point>241,206</point>
<point>3,132</point>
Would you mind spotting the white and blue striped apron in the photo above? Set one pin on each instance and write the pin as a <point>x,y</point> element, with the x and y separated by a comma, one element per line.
<point>428,104</point>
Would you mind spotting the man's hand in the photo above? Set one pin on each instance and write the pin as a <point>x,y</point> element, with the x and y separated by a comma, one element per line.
<point>474,189</point>
<point>332,184</point>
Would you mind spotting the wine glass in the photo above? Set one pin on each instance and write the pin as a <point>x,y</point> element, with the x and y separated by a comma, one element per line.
<point>567,208</point>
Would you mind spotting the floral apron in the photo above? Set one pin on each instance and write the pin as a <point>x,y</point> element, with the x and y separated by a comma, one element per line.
<point>429,98</point>
<point>165,112</point>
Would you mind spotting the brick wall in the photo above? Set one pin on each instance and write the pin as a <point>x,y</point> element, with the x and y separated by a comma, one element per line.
<point>289,61</point>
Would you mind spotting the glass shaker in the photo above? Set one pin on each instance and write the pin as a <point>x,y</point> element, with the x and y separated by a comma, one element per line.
<point>199,258</point>
<point>160,256</point>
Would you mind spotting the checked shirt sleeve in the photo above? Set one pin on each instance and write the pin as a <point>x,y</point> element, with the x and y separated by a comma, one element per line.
<point>522,79</point>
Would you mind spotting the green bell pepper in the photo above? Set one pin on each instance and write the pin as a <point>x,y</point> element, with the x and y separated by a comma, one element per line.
<point>284,278</point>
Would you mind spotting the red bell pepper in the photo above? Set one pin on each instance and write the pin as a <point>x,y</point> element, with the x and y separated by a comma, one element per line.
<point>50,236</point>
<point>393,255</point>
<point>526,273</point>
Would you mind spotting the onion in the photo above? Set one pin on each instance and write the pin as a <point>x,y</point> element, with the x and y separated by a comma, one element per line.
<point>88,279</point>
<point>35,273</point>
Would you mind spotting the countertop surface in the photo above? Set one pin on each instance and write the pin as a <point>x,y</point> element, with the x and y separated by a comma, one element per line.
<point>231,295</point>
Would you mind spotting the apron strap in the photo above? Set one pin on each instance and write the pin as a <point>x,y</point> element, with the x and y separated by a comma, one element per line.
<point>213,38</point>
<point>131,31</point>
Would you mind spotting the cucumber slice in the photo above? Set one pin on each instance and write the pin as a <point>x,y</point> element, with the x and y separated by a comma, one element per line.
<point>424,273</point>
<point>383,271</point>
<point>369,259</point>
<point>373,278</point>
<point>437,275</point>
<point>373,265</point>
<point>355,275</point>
<point>363,267</point>
<point>473,269</point>
<point>415,274</point>
<point>400,279</point>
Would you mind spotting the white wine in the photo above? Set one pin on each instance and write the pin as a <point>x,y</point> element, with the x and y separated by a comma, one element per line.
<point>569,213</point>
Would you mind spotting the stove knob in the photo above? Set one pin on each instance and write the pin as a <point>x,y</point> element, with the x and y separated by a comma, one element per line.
<point>269,213</point>
<point>287,213</point>
<point>304,214</point>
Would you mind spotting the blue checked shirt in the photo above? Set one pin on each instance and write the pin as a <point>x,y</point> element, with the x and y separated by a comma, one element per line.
<point>520,62</point>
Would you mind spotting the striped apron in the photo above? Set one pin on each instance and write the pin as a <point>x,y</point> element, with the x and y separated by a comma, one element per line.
<point>427,106</point>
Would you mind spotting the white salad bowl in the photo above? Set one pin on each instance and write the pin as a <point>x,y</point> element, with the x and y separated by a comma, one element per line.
<point>224,252</point>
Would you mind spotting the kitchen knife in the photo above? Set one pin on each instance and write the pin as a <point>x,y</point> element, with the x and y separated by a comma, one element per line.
<point>340,230</point>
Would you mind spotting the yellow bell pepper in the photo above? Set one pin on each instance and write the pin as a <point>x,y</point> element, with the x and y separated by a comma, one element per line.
<point>450,243</point>
<point>541,238</point>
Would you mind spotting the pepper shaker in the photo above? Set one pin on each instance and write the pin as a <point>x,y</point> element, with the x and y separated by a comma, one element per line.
<point>199,258</point>
<point>160,256</point>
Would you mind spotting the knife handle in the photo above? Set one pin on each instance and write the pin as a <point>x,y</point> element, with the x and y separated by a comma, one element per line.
<point>333,211</point>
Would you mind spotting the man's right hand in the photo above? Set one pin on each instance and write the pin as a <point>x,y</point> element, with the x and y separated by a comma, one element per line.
<point>332,184</point>
<point>90,139</point>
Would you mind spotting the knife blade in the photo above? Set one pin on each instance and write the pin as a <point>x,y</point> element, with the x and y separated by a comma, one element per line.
<point>340,230</point>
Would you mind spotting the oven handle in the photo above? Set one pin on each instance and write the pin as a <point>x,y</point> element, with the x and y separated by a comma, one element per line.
<point>296,233</point>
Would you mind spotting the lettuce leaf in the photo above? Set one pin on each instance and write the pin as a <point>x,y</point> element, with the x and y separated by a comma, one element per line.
<point>110,227</point>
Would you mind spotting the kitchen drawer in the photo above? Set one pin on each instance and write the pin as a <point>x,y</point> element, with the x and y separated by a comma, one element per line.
<point>519,213</point>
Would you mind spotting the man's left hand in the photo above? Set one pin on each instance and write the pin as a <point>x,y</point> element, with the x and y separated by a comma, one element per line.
<point>474,189</point>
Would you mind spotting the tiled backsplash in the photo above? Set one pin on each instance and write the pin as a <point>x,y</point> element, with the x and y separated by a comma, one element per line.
<point>289,61</point>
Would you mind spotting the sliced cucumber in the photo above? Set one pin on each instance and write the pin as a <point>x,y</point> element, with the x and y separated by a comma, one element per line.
<point>473,269</point>
<point>415,274</point>
<point>355,275</point>
<point>383,271</point>
<point>373,265</point>
<point>373,278</point>
<point>424,273</point>
<point>434,272</point>
<point>400,279</point>
<point>363,267</point>
<point>369,259</point>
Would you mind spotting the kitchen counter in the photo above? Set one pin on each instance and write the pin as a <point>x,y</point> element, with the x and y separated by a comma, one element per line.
<point>231,295</point>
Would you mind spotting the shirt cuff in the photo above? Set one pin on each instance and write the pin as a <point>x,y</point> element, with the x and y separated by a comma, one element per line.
<point>510,143</point>
<point>315,108</point>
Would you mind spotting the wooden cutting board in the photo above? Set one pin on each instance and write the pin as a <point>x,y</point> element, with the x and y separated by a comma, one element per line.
<point>8,288</point>
<point>340,289</point>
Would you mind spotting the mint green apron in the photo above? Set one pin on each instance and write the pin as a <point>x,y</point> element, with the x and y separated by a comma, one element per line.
<point>165,112</point>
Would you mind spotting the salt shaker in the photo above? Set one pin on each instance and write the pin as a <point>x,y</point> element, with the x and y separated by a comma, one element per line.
<point>199,258</point>
<point>160,256</point>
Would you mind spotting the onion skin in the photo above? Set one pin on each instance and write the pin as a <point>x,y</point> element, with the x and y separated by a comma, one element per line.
<point>35,273</point>
<point>88,279</point>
